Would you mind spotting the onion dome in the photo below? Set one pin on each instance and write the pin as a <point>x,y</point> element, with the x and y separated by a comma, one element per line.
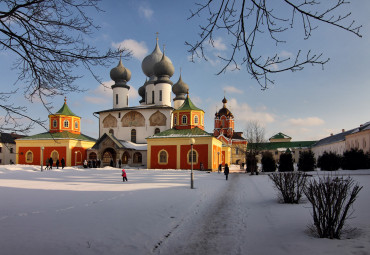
<point>180,89</point>
<point>164,70</point>
<point>141,92</point>
<point>120,75</point>
<point>149,61</point>
<point>224,110</point>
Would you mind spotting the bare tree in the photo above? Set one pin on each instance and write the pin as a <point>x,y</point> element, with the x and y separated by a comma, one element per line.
<point>255,135</point>
<point>48,40</point>
<point>246,23</point>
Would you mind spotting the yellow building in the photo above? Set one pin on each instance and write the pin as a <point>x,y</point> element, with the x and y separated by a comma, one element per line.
<point>63,141</point>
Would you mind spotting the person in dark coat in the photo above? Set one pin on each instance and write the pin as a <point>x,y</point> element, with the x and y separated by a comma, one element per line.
<point>226,171</point>
<point>51,163</point>
<point>57,163</point>
<point>124,175</point>
<point>219,168</point>
<point>111,163</point>
<point>46,164</point>
<point>63,162</point>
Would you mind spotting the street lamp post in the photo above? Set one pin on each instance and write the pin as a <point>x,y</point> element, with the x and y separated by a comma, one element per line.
<point>192,141</point>
<point>218,161</point>
<point>76,158</point>
<point>42,157</point>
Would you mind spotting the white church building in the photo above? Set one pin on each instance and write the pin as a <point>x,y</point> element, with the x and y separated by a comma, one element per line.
<point>123,129</point>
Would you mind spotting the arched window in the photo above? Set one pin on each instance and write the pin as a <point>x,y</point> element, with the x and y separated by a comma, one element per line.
<point>111,131</point>
<point>184,119</point>
<point>192,157</point>
<point>157,130</point>
<point>175,120</point>
<point>133,135</point>
<point>55,123</point>
<point>196,120</point>
<point>76,124</point>
<point>116,98</point>
<point>29,157</point>
<point>163,159</point>
<point>223,123</point>
<point>138,158</point>
<point>66,123</point>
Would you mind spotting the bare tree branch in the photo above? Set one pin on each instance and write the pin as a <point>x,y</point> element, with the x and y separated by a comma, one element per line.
<point>47,38</point>
<point>245,22</point>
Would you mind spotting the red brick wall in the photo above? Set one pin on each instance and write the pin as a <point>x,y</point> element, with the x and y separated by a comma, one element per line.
<point>172,156</point>
<point>202,150</point>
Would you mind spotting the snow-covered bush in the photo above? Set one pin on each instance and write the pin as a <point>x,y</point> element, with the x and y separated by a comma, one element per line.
<point>331,199</point>
<point>268,162</point>
<point>307,161</point>
<point>329,161</point>
<point>290,186</point>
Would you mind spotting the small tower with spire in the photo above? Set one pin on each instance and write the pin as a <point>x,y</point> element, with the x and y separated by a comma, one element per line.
<point>224,121</point>
<point>64,120</point>
<point>120,75</point>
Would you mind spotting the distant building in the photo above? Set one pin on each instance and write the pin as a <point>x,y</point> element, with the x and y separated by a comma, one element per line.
<point>63,140</point>
<point>224,131</point>
<point>8,148</point>
<point>281,143</point>
<point>358,138</point>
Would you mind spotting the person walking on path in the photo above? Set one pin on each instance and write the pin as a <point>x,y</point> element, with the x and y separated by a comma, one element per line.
<point>124,175</point>
<point>63,162</point>
<point>219,168</point>
<point>57,163</point>
<point>51,163</point>
<point>226,171</point>
<point>46,164</point>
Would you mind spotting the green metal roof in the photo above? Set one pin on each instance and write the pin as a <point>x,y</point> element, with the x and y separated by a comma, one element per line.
<point>171,133</point>
<point>61,135</point>
<point>188,105</point>
<point>280,136</point>
<point>276,145</point>
<point>65,110</point>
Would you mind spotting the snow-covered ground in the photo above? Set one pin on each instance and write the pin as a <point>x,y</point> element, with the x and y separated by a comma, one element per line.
<point>91,211</point>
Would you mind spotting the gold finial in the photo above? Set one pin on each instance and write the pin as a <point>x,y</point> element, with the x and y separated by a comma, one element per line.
<point>65,100</point>
<point>187,92</point>
<point>157,36</point>
<point>180,71</point>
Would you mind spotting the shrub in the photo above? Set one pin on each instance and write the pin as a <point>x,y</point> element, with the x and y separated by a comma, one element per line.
<point>306,161</point>
<point>290,186</point>
<point>252,163</point>
<point>286,162</point>
<point>268,162</point>
<point>354,159</point>
<point>329,161</point>
<point>331,200</point>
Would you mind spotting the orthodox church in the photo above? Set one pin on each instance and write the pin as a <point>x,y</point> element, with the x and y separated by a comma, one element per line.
<point>123,129</point>
<point>157,135</point>
<point>64,140</point>
<point>224,131</point>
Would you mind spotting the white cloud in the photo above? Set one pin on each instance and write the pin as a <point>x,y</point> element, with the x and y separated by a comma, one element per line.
<point>232,90</point>
<point>218,44</point>
<point>146,11</point>
<point>133,93</point>
<point>138,49</point>
<point>243,113</point>
<point>100,95</point>
<point>285,54</point>
<point>306,122</point>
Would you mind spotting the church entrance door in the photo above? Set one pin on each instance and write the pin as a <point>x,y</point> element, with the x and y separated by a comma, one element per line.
<point>109,155</point>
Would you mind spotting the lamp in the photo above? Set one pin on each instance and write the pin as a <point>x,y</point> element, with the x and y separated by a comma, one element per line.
<point>75,158</point>
<point>42,157</point>
<point>192,141</point>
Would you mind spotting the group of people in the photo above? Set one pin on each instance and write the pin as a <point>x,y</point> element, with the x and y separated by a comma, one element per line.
<point>92,163</point>
<point>226,170</point>
<point>49,163</point>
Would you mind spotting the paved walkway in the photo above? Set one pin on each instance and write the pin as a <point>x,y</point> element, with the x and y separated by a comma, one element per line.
<point>217,230</point>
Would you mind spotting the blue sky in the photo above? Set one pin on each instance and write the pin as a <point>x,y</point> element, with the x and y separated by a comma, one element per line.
<point>305,105</point>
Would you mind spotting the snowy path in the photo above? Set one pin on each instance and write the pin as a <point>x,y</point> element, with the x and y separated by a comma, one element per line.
<point>219,228</point>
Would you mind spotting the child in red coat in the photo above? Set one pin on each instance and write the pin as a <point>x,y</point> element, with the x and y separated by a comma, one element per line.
<point>124,175</point>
